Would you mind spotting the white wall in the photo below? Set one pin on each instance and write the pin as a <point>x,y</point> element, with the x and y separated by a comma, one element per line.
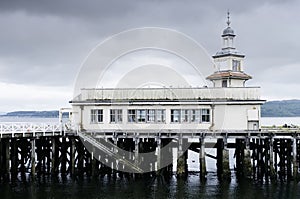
<point>226,117</point>
<point>131,126</point>
<point>236,83</point>
<point>232,117</point>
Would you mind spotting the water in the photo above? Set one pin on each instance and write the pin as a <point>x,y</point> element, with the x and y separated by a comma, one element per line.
<point>279,121</point>
<point>28,119</point>
<point>148,188</point>
<point>158,187</point>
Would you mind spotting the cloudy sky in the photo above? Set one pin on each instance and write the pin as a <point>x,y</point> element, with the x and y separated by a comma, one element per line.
<point>43,43</point>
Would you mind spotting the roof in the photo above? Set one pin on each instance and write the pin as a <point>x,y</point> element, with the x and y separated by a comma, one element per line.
<point>228,32</point>
<point>229,74</point>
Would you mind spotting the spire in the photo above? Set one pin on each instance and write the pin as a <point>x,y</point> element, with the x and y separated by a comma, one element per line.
<point>228,36</point>
<point>228,31</point>
<point>228,18</point>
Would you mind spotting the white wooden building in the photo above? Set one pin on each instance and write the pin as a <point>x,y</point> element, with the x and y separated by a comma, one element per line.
<point>228,105</point>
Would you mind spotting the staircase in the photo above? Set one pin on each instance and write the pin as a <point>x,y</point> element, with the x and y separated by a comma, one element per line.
<point>109,149</point>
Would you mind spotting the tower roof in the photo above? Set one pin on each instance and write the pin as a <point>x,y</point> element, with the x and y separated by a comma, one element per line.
<point>229,74</point>
<point>228,31</point>
<point>228,48</point>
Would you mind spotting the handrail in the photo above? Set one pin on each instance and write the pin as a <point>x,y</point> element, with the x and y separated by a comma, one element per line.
<point>111,152</point>
<point>27,127</point>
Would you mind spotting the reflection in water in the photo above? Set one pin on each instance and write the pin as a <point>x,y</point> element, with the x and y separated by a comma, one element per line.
<point>147,188</point>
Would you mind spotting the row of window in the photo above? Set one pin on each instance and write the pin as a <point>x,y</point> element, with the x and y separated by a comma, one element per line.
<point>153,115</point>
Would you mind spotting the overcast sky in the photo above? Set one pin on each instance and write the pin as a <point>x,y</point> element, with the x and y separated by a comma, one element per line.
<point>43,43</point>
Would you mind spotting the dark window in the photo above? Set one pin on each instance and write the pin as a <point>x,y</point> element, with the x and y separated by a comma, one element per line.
<point>116,116</point>
<point>236,65</point>
<point>205,115</point>
<point>175,115</point>
<point>96,115</point>
<point>131,116</point>
<point>141,115</point>
<point>224,83</point>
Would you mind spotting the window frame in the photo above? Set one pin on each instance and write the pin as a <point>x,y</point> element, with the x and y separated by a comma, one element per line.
<point>96,116</point>
<point>178,115</point>
<point>205,116</point>
<point>160,115</point>
<point>151,113</point>
<point>131,113</point>
<point>117,114</point>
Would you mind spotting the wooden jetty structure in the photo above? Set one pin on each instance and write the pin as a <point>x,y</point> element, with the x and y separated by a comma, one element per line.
<point>52,149</point>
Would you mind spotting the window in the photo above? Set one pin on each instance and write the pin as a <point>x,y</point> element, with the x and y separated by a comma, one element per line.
<point>147,115</point>
<point>151,115</point>
<point>96,115</point>
<point>224,83</point>
<point>160,115</point>
<point>185,116</point>
<point>195,116</point>
<point>131,115</point>
<point>141,115</point>
<point>236,65</point>
<point>198,116</point>
<point>175,115</point>
<point>205,116</point>
<point>116,116</point>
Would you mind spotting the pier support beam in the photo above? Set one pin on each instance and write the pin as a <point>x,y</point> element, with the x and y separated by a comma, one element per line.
<point>272,173</point>
<point>181,159</point>
<point>158,162</point>
<point>33,157</point>
<point>202,159</point>
<point>295,164</point>
<point>223,168</point>
<point>14,159</point>
<point>72,156</point>
<point>53,157</point>
<point>136,151</point>
<point>1,160</point>
<point>7,157</point>
<point>247,169</point>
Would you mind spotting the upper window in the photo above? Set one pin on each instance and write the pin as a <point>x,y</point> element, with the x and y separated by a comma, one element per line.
<point>160,115</point>
<point>116,116</point>
<point>147,115</point>
<point>190,115</point>
<point>195,115</point>
<point>96,115</point>
<point>141,115</point>
<point>151,115</point>
<point>175,115</point>
<point>224,83</point>
<point>205,115</point>
<point>131,115</point>
<point>185,116</point>
<point>236,65</point>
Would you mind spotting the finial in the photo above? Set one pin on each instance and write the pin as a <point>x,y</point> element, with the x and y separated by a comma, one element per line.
<point>228,18</point>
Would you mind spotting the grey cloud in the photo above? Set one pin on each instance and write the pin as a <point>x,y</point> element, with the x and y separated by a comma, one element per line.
<point>44,42</point>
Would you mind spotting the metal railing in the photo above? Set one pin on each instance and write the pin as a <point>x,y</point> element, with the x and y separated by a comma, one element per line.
<point>243,93</point>
<point>12,128</point>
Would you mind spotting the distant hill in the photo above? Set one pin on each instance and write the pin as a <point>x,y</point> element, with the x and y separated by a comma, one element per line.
<point>284,108</point>
<point>46,114</point>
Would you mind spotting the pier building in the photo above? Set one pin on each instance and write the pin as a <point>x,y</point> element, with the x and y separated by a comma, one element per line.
<point>112,128</point>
